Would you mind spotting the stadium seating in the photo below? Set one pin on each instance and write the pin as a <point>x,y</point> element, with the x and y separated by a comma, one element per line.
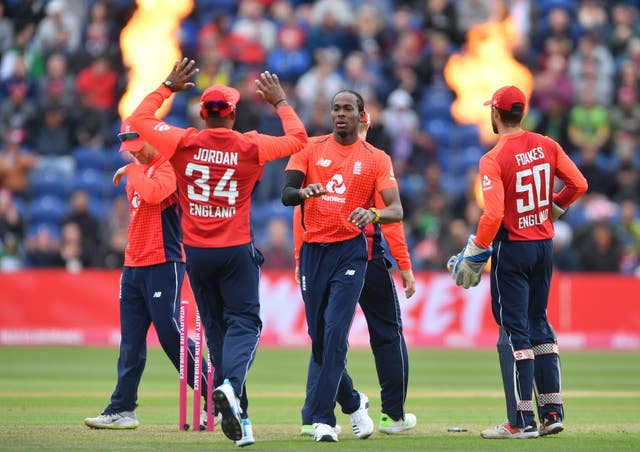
<point>47,209</point>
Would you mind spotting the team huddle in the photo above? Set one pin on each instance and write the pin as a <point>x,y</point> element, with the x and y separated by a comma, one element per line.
<point>189,193</point>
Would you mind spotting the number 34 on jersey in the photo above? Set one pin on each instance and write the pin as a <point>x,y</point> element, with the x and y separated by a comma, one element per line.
<point>200,194</point>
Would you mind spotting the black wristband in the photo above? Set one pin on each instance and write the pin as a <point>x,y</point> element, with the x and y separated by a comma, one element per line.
<point>275,105</point>
<point>169,84</point>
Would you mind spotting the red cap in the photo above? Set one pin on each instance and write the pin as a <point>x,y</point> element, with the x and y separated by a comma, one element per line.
<point>130,140</point>
<point>505,97</point>
<point>219,94</point>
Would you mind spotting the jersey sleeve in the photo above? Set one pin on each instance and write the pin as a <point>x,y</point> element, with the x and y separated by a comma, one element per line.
<point>162,136</point>
<point>394,236</point>
<point>295,137</point>
<point>297,233</point>
<point>575,183</point>
<point>299,160</point>
<point>155,188</point>
<point>385,178</point>
<point>493,194</point>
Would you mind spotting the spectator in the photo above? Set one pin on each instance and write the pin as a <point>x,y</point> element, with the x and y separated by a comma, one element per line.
<point>623,28</point>
<point>565,257</point>
<point>589,127</point>
<point>11,233</point>
<point>17,111</point>
<point>15,163</point>
<point>48,32</point>
<point>22,49</point>
<point>54,137</point>
<point>320,81</point>
<point>289,57</point>
<point>99,81</point>
<point>57,85</point>
<point>628,229</point>
<point>599,250</point>
<point>400,123</point>
<point>43,248</point>
<point>253,25</point>
<point>6,30</point>
<point>90,240</point>
<point>277,249</point>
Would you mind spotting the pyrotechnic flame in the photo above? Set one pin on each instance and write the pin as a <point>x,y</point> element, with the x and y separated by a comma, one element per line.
<point>150,47</point>
<point>486,65</point>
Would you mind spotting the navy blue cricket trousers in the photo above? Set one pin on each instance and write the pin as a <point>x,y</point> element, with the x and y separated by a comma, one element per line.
<point>520,281</point>
<point>331,279</point>
<point>225,284</point>
<point>149,294</point>
<point>379,303</point>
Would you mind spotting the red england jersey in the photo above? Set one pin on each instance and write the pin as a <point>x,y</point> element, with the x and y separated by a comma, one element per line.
<point>517,178</point>
<point>393,234</point>
<point>154,235</point>
<point>351,175</point>
<point>216,169</point>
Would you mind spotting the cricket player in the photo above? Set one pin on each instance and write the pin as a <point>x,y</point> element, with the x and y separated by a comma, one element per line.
<point>217,169</point>
<point>151,282</point>
<point>516,230</point>
<point>379,303</point>
<point>341,174</point>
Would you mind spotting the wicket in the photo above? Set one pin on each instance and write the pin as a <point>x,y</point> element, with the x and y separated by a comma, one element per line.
<point>197,371</point>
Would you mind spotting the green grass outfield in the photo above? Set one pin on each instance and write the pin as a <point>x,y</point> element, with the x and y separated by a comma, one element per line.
<point>45,393</point>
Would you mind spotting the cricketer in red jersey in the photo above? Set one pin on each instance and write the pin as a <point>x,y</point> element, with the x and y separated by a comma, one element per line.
<point>151,281</point>
<point>379,303</point>
<point>217,169</point>
<point>342,174</point>
<point>516,230</point>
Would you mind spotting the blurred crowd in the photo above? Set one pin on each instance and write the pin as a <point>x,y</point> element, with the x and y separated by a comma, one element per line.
<point>61,77</point>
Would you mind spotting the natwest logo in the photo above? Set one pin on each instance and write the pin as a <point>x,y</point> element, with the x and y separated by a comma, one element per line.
<point>336,185</point>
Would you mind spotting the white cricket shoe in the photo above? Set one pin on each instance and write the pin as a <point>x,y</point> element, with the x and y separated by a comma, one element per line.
<point>307,429</point>
<point>227,402</point>
<point>361,422</point>
<point>324,432</point>
<point>115,421</point>
<point>388,425</point>
<point>505,431</point>
<point>247,434</point>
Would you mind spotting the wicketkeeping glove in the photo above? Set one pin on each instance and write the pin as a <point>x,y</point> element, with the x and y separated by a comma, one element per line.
<point>468,266</point>
<point>556,211</point>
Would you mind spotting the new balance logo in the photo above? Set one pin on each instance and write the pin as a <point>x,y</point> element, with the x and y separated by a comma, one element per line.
<point>350,272</point>
<point>157,294</point>
<point>324,163</point>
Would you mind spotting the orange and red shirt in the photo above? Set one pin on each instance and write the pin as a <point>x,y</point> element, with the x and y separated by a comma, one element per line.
<point>216,169</point>
<point>154,235</point>
<point>351,176</point>
<point>517,178</point>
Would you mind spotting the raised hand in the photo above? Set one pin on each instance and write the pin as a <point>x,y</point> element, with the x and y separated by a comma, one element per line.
<point>181,74</point>
<point>269,88</point>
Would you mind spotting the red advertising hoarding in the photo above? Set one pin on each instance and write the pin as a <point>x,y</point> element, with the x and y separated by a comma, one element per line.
<point>587,310</point>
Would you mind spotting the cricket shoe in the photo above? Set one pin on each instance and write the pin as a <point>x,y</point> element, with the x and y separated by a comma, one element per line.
<point>361,422</point>
<point>115,421</point>
<point>324,432</point>
<point>227,402</point>
<point>505,431</point>
<point>247,434</point>
<point>388,425</point>
<point>307,429</point>
<point>551,423</point>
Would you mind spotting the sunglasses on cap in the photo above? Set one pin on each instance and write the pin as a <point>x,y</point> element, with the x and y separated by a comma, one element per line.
<point>128,136</point>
